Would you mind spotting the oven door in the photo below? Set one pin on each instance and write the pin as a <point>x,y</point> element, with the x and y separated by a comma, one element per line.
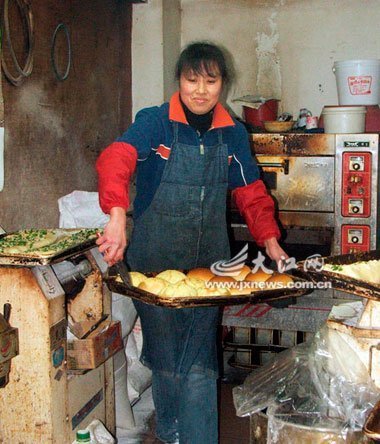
<point>300,183</point>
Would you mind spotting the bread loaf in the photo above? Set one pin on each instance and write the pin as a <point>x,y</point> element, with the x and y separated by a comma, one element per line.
<point>243,273</point>
<point>153,285</point>
<point>195,283</point>
<point>259,276</point>
<point>171,276</point>
<point>201,273</point>
<point>278,280</point>
<point>178,289</point>
<point>137,277</point>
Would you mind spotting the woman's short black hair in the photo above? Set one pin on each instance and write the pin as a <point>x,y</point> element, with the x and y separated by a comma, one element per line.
<point>200,57</point>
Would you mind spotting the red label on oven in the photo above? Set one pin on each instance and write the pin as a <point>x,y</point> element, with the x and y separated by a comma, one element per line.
<point>360,85</point>
<point>355,238</point>
<point>356,184</point>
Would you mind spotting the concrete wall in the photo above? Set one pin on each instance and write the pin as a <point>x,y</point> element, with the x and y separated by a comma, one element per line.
<point>156,44</point>
<point>172,43</point>
<point>147,55</point>
<point>284,48</point>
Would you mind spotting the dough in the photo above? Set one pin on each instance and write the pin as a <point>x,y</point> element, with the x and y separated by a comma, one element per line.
<point>44,242</point>
<point>368,271</point>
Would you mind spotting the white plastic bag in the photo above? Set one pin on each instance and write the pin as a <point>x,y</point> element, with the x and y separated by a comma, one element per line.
<point>124,311</point>
<point>99,434</point>
<point>139,376</point>
<point>123,409</point>
<point>81,209</point>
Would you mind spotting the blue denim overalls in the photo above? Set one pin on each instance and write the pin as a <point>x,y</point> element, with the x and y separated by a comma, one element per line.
<point>184,227</point>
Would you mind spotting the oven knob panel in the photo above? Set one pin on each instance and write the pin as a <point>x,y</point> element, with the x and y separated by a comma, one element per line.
<point>355,238</point>
<point>355,206</point>
<point>356,184</point>
<point>356,163</point>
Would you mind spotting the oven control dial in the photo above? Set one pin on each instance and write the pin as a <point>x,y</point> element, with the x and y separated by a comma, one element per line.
<point>356,163</point>
<point>355,238</point>
<point>355,206</point>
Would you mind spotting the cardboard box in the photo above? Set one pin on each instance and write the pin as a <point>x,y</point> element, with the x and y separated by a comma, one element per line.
<point>101,344</point>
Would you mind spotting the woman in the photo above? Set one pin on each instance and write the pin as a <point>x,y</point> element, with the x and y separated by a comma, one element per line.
<point>188,153</point>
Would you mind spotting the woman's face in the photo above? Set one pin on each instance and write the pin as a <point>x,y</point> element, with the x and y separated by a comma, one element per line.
<point>200,92</point>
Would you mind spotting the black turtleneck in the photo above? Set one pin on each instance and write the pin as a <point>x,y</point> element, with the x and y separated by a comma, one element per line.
<point>200,122</point>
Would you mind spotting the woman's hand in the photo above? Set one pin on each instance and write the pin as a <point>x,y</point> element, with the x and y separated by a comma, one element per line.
<point>274,251</point>
<point>113,241</point>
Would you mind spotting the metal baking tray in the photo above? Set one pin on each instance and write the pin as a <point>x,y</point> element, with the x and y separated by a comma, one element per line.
<point>339,281</point>
<point>255,297</point>
<point>31,259</point>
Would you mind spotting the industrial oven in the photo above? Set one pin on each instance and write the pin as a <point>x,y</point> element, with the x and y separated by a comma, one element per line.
<point>326,188</point>
<point>57,385</point>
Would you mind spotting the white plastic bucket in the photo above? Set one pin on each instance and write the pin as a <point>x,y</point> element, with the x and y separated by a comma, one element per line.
<point>344,119</point>
<point>358,81</point>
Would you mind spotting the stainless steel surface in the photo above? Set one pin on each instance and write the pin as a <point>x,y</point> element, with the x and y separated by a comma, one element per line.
<point>47,281</point>
<point>298,169</point>
<point>67,271</point>
<point>302,144</point>
<point>308,176</point>
<point>307,186</point>
<point>322,221</point>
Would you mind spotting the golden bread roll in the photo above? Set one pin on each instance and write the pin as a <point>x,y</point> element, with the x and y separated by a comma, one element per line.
<point>171,276</point>
<point>278,280</point>
<point>222,279</point>
<point>233,286</point>
<point>213,292</point>
<point>241,289</point>
<point>218,283</point>
<point>153,285</point>
<point>178,289</point>
<point>137,277</point>
<point>243,273</point>
<point>259,276</point>
<point>195,282</point>
<point>201,273</point>
<point>256,280</point>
